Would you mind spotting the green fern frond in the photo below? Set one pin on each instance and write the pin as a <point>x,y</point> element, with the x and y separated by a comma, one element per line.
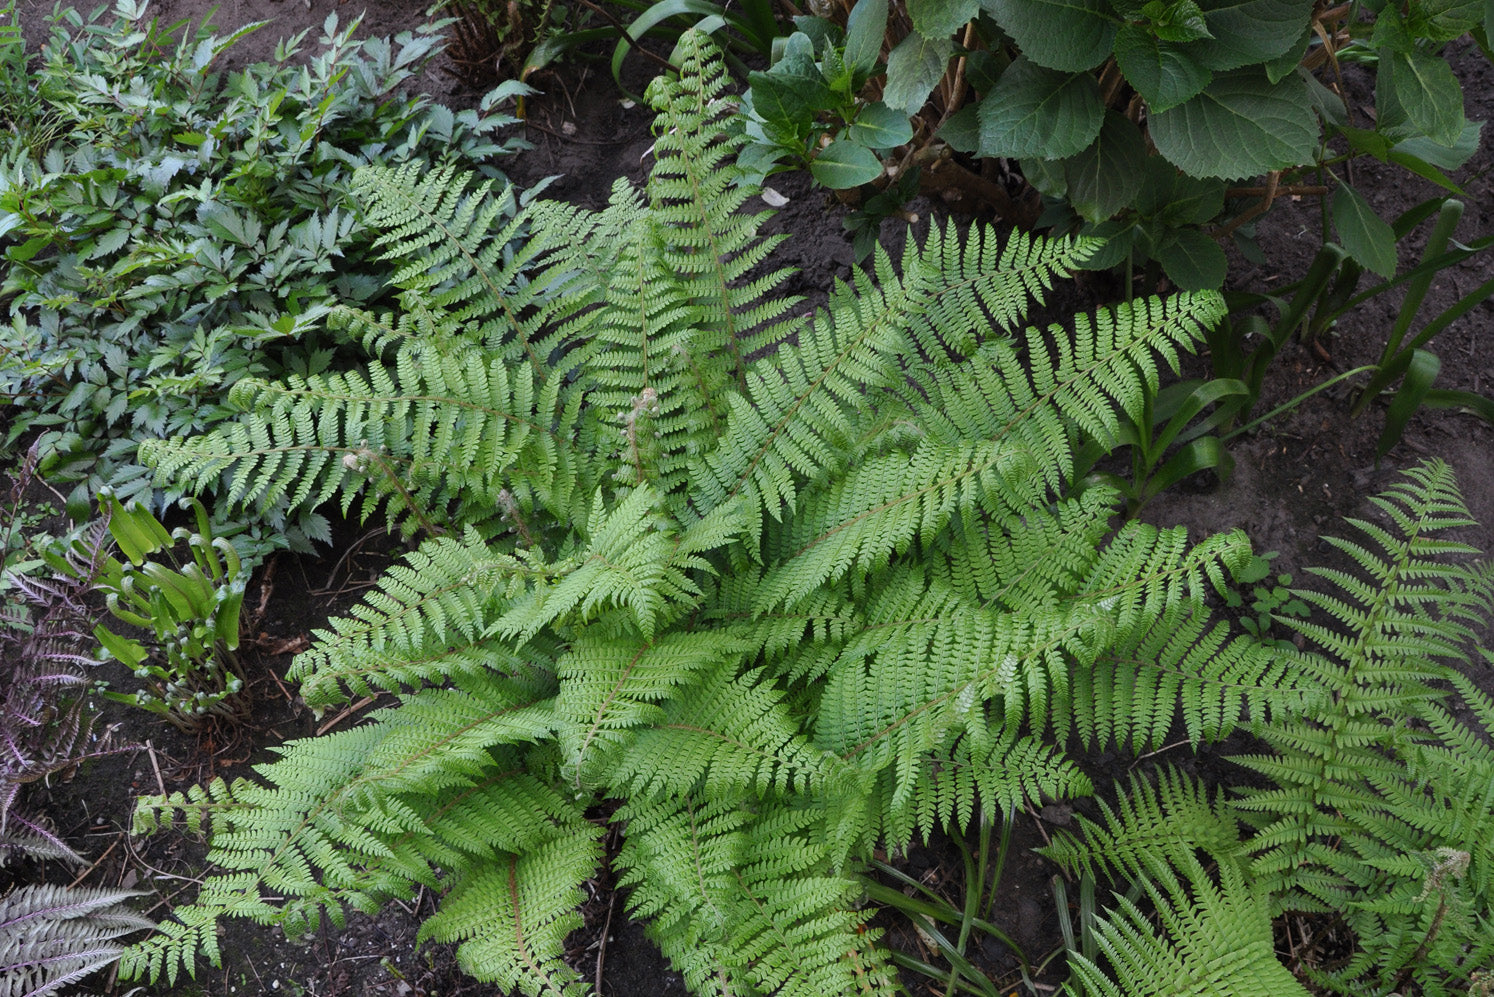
<point>1168,819</point>
<point>1216,939</point>
<point>425,623</point>
<point>755,908</point>
<point>510,917</point>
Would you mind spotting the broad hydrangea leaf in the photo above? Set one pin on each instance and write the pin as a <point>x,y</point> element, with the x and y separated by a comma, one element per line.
<point>1040,112</point>
<point>1365,235</point>
<point>1162,72</point>
<point>1107,176</point>
<point>843,164</point>
<point>1240,126</point>
<point>1416,93</point>
<point>941,18</point>
<point>1192,260</point>
<point>1071,35</point>
<point>914,68</point>
<point>1247,32</point>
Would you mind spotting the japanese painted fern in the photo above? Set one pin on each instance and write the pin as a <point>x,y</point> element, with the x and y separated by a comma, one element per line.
<point>789,588</point>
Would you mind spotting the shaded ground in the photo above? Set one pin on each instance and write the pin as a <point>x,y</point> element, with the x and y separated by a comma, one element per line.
<point>1293,480</point>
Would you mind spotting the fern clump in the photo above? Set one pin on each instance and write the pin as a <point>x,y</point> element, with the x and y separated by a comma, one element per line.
<point>785,610</point>
<point>1372,811</point>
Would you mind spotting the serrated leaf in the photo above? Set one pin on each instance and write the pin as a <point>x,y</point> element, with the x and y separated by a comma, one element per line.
<point>1240,126</point>
<point>1179,21</point>
<point>914,68</point>
<point>1160,71</point>
<point>941,18</point>
<point>1035,111</point>
<point>866,26</point>
<point>1366,236</point>
<point>1070,35</point>
<point>1107,176</point>
<point>1444,20</point>
<point>1444,157</point>
<point>1192,260</point>
<point>1248,32</point>
<point>1278,68</point>
<point>1416,94</point>
<point>961,130</point>
<point>843,164</point>
<point>878,126</point>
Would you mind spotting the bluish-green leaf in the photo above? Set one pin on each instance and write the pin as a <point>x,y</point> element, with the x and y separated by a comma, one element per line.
<point>1365,235</point>
<point>878,126</point>
<point>1444,20</point>
<point>1160,71</point>
<point>1040,112</point>
<point>1240,126</point>
<point>1248,32</point>
<point>941,18</point>
<point>961,130</point>
<point>843,164</point>
<point>1192,260</point>
<point>914,68</point>
<point>1416,94</point>
<point>1071,35</point>
<point>1444,157</point>
<point>1107,176</point>
<point>865,28</point>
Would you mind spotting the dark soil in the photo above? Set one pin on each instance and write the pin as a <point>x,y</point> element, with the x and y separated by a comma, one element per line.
<point>1294,480</point>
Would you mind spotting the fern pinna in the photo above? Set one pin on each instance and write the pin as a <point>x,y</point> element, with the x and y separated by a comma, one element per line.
<point>786,587</point>
<point>1376,808</point>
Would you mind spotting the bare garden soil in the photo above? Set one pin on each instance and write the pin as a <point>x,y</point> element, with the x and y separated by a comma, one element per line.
<point>1293,481</point>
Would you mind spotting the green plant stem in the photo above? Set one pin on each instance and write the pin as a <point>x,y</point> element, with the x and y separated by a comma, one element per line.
<point>1293,403</point>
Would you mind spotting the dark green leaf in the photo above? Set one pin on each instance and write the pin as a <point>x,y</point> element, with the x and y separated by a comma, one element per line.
<point>941,18</point>
<point>1248,32</point>
<point>1107,176</point>
<point>1416,94</point>
<point>1179,21</point>
<point>843,164</point>
<point>865,27</point>
<point>1444,157</point>
<point>1365,235</point>
<point>1070,35</point>
<point>1192,260</point>
<point>1444,20</point>
<point>1240,126</point>
<point>1161,72</point>
<point>962,130</point>
<point>1040,112</point>
<point>914,68</point>
<point>878,126</point>
<point>1420,376</point>
<point>1278,68</point>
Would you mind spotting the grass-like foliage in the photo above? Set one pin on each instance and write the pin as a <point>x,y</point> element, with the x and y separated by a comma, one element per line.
<point>765,591</point>
<point>1369,817</point>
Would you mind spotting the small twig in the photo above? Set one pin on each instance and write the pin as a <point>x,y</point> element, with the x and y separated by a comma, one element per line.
<point>602,944</point>
<point>86,872</point>
<point>156,767</point>
<point>349,711</point>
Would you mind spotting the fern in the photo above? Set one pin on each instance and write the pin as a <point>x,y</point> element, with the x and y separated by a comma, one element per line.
<point>787,606</point>
<point>1379,802</point>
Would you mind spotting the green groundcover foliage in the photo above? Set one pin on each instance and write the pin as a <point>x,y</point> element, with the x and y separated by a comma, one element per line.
<point>168,230</point>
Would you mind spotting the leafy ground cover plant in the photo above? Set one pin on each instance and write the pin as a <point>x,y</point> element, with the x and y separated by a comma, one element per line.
<point>1136,117</point>
<point>763,616</point>
<point>1369,818</point>
<point>168,231</point>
